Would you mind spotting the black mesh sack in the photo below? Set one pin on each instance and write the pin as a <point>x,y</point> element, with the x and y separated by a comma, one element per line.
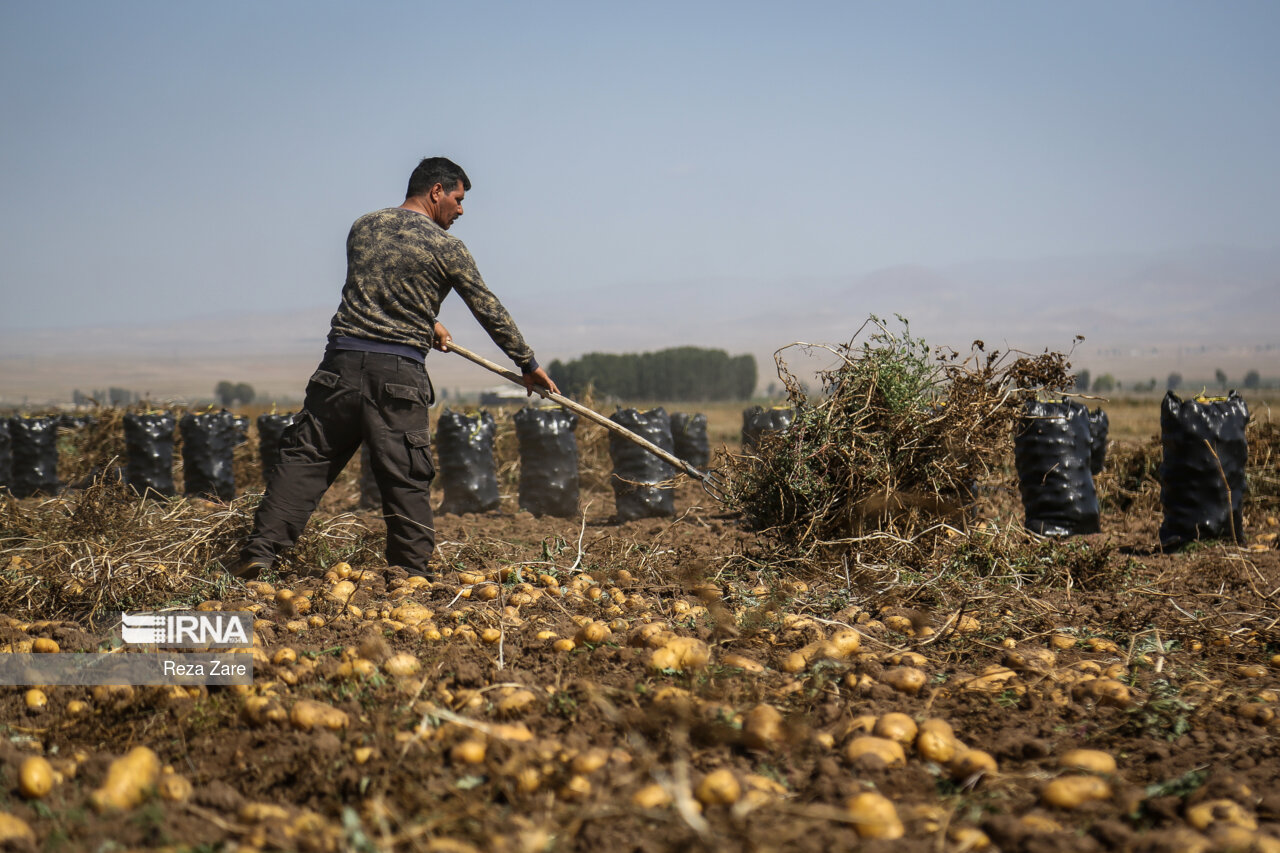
<point>34,448</point>
<point>548,461</point>
<point>270,430</point>
<point>6,454</point>
<point>1099,425</point>
<point>208,444</point>
<point>689,436</point>
<point>370,494</point>
<point>1202,473</point>
<point>148,442</point>
<point>756,421</point>
<point>464,446</point>
<point>1052,450</point>
<point>636,471</point>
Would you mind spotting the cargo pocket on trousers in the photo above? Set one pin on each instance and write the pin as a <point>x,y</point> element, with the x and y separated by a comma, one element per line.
<point>403,396</point>
<point>421,465</point>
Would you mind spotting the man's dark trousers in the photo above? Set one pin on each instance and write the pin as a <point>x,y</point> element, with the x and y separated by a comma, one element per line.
<point>355,397</point>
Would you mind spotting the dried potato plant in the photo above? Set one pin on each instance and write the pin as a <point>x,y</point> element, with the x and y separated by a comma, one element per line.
<point>103,549</point>
<point>897,443</point>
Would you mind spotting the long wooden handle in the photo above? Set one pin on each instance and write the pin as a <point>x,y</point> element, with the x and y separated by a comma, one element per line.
<point>590,415</point>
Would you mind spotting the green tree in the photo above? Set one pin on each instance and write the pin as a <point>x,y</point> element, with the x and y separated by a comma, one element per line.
<point>1104,384</point>
<point>1082,380</point>
<point>1252,380</point>
<point>244,392</point>
<point>225,392</point>
<point>1220,376</point>
<point>1173,382</point>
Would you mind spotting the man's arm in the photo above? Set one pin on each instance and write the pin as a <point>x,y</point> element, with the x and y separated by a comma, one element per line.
<point>494,319</point>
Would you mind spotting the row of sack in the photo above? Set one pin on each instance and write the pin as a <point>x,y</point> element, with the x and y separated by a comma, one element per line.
<point>548,453</point>
<point>1060,445</point>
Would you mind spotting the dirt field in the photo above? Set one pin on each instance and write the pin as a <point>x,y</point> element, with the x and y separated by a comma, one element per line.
<point>666,684</point>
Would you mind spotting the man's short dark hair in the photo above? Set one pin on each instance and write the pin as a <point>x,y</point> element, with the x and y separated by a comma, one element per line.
<point>436,170</point>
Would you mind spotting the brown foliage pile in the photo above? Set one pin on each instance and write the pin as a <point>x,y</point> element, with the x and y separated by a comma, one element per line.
<point>897,443</point>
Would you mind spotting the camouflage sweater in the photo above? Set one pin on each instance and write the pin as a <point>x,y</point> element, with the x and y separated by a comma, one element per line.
<point>400,267</point>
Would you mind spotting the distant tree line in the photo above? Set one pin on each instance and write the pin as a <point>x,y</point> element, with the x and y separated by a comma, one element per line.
<point>688,374</point>
<point>1107,383</point>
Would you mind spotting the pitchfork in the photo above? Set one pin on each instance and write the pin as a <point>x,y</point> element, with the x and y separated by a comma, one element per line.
<point>711,481</point>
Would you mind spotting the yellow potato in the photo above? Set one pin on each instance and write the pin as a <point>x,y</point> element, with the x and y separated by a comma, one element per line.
<point>468,752</point>
<point>43,645</point>
<point>719,787</point>
<point>888,751</point>
<point>14,830</point>
<point>936,742</point>
<point>307,714</point>
<point>896,726</point>
<point>35,777</point>
<point>1071,792</point>
<point>904,679</point>
<point>762,727</point>
<point>651,797</point>
<point>593,632</point>
<point>35,699</point>
<point>401,665</point>
<point>972,762</point>
<point>128,780</point>
<point>517,702</point>
<point>174,788</point>
<point>1211,812</point>
<point>1091,760</point>
<point>874,816</point>
<point>741,662</point>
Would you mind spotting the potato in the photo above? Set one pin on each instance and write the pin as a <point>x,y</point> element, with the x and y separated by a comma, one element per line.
<point>262,812</point>
<point>586,763</point>
<point>307,714</point>
<point>968,838</point>
<point>284,656</point>
<point>972,762</point>
<point>1211,812</point>
<point>468,752</point>
<point>517,702</point>
<point>692,652</point>
<point>14,830</point>
<point>567,645</point>
<point>1071,792</point>
<point>401,665</point>
<point>1103,691</point>
<point>888,751</point>
<point>794,662</point>
<point>341,591</point>
<point>936,742</point>
<point>35,699</point>
<point>592,632</point>
<point>128,780</point>
<point>43,645</point>
<point>719,787</point>
<point>896,726</point>
<point>874,816</point>
<point>174,788</point>
<point>651,797</point>
<point>741,662</point>
<point>762,727</point>
<point>35,777</point>
<point>847,640</point>
<point>1090,760</point>
<point>904,679</point>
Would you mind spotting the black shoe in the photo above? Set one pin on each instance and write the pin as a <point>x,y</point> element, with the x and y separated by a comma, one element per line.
<point>250,569</point>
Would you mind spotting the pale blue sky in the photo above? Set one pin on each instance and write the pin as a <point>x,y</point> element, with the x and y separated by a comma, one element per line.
<point>164,160</point>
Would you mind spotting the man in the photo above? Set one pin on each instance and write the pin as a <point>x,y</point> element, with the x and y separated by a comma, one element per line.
<point>372,384</point>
